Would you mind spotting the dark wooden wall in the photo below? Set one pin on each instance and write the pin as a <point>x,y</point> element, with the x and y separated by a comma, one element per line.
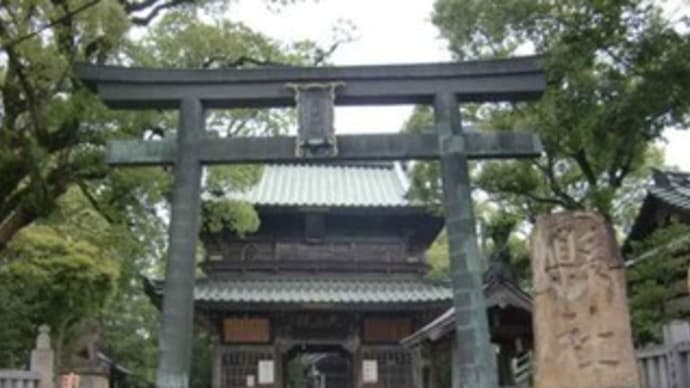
<point>326,240</point>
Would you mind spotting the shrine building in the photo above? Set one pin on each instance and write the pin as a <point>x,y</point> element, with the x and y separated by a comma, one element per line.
<point>328,286</point>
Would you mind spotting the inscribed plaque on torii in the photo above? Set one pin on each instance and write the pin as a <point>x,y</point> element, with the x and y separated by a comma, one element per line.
<point>581,320</point>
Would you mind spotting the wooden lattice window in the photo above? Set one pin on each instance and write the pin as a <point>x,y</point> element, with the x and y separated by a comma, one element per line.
<point>241,366</point>
<point>395,368</point>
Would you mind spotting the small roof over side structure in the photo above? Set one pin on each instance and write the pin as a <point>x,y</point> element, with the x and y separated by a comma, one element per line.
<point>668,198</point>
<point>501,295</point>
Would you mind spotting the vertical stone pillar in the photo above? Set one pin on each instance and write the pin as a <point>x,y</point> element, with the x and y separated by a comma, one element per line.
<point>581,320</point>
<point>475,357</point>
<point>177,312</point>
<point>43,359</point>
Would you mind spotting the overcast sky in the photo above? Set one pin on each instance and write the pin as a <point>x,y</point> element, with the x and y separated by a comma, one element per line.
<point>386,31</point>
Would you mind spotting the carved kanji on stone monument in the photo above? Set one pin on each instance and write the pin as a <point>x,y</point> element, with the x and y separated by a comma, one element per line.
<point>581,319</point>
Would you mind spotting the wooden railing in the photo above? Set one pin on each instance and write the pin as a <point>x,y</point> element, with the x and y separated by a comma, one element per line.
<point>522,369</point>
<point>667,365</point>
<point>40,373</point>
<point>19,379</point>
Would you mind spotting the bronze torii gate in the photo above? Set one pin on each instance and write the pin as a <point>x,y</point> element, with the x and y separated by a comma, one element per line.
<point>316,90</point>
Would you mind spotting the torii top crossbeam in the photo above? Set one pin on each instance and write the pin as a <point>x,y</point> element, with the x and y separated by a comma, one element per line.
<point>144,88</point>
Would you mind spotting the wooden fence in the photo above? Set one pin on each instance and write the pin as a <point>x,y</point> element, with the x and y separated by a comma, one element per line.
<point>667,365</point>
<point>40,373</point>
<point>661,366</point>
<point>19,379</point>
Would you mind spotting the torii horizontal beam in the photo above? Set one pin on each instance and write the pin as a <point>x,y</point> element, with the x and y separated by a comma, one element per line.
<point>488,80</point>
<point>281,149</point>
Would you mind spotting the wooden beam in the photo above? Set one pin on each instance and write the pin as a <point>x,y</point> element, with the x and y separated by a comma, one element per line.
<point>497,145</point>
<point>141,88</point>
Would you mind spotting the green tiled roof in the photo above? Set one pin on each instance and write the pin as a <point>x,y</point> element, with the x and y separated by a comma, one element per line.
<point>380,185</point>
<point>672,188</point>
<point>669,191</point>
<point>317,291</point>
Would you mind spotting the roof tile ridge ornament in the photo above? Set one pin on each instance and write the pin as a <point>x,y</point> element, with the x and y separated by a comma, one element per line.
<point>315,115</point>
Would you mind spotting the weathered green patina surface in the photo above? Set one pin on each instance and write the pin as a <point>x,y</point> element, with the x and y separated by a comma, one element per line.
<point>442,85</point>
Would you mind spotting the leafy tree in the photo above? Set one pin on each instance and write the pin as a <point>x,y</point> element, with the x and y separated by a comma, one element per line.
<point>52,137</point>
<point>53,130</point>
<point>501,244</point>
<point>60,270</point>
<point>658,275</point>
<point>617,75</point>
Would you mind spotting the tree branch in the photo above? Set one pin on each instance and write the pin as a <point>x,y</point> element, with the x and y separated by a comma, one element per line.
<point>241,61</point>
<point>92,200</point>
<point>133,7</point>
<point>580,158</point>
<point>145,20</point>
<point>570,202</point>
<point>52,23</point>
<point>9,226</point>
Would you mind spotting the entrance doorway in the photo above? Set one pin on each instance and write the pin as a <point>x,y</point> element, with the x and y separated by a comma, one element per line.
<point>322,366</point>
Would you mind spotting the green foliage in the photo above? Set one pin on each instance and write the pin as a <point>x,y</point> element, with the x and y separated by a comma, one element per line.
<point>296,373</point>
<point>500,238</point>
<point>219,212</point>
<point>438,259</point>
<point>16,329</point>
<point>201,369</point>
<point>425,181</point>
<point>90,247</point>
<point>237,216</point>
<point>61,271</point>
<point>616,72</point>
<point>658,276</point>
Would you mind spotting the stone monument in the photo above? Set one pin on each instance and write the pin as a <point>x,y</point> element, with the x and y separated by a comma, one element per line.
<point>43,358</point>
<point>581,320</point>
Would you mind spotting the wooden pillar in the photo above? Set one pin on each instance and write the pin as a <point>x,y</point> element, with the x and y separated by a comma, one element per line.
<point>356,352</point>
<point>433,367</point>
<point>279,368</point>
<point>504,361</point>
<point>417,367</point>
<point>217,361</point>
<point>454,370</point>
<point>175,340</point>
